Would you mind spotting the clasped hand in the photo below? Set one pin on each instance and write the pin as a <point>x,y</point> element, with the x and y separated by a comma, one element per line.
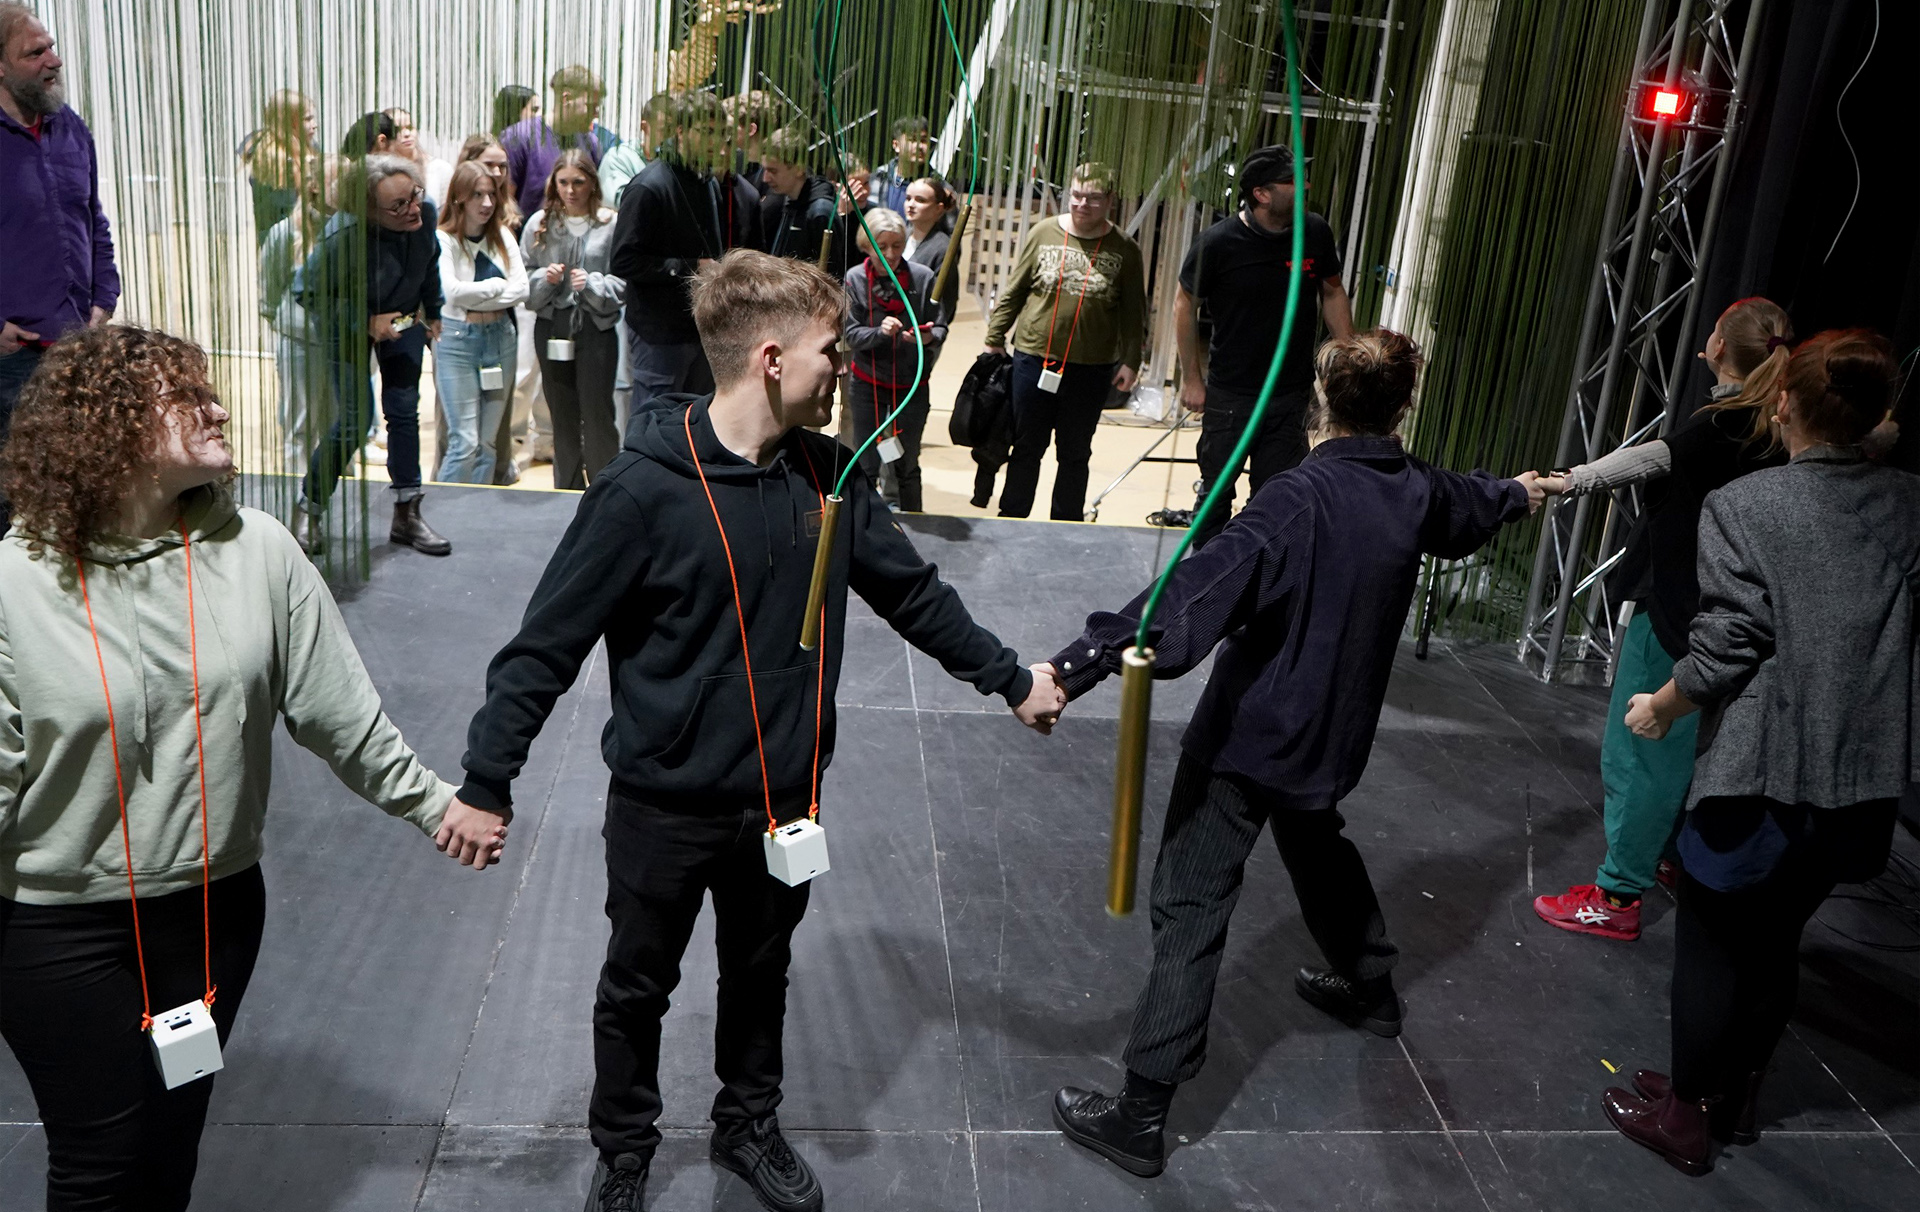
<point>1041,709</point>
<point>475,836</point>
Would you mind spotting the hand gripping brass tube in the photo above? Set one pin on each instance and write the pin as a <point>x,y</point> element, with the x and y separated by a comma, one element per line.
<point>953,252</point>
<point>1129,777</point>
<point>822,562</point>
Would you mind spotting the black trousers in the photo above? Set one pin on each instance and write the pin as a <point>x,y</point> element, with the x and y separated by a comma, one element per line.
<point>866,406</point>
<point>579,399</point>
<point>1736,954</point>
<point>1212,824</point>
<point>117,1139</point>
<point>661,863</point>
<point>1067,418</point>
<point>1281,444</point>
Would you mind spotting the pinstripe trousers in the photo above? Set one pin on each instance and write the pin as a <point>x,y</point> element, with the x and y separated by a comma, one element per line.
<point>1212,824</point>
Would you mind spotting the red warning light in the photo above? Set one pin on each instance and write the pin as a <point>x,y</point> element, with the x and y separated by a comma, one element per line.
<point>1666,102</point>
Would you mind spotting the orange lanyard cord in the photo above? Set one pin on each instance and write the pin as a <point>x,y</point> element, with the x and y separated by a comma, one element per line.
<point>1059,283</point>
<point>120,788</point>
<point>820,669</point>
<point>200,753</point>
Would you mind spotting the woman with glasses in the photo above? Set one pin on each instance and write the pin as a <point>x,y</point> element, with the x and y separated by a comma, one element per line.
<point>372,288</point>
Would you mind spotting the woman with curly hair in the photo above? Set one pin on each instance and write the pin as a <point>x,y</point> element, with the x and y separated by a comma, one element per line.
<point>135,761</point>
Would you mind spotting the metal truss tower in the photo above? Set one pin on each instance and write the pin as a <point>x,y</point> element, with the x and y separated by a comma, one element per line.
<point>1682,115</point>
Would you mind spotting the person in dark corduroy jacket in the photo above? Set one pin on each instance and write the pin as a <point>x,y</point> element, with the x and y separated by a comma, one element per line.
<point>1308,587</point>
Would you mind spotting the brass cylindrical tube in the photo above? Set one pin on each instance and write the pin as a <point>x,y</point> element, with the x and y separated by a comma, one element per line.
<point>1129,778</point>
<point>822,561</point>
<point>953,251</point>
<point>826,248</point>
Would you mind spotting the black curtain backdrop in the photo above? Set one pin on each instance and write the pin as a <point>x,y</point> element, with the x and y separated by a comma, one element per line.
<point>1793,179</point>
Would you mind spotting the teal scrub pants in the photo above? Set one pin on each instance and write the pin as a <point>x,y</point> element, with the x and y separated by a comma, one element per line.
<point>1645,781</point>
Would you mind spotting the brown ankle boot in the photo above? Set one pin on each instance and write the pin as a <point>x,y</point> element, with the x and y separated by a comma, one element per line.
<point>1672,1127</point>
<point>411,530</point>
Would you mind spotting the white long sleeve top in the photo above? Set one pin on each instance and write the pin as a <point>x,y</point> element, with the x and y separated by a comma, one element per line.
<point>464,284</point>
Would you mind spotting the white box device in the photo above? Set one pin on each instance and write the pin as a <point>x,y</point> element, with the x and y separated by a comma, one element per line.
<point>890,450</point>
<point>492,378</point>
<point>796,852</point>
<point>186,1044</point>
<point>1049,380</point>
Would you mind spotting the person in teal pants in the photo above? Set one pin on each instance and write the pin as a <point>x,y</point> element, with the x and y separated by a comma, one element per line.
<point>1646,781</point>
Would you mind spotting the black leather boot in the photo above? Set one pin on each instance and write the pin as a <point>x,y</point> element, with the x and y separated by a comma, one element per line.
<point>1674,1128</point>
<point>1128,1130</point>
<point>307,531</point>
<point>1370,1004</point>
<point>411,530</point>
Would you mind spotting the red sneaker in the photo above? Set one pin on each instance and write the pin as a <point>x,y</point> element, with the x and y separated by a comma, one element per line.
<point>1666,875</point>
<point>1585,909</point>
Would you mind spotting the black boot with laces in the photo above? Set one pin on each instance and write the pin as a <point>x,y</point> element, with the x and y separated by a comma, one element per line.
<point>1128,1129</point>
<point>757,1152</point>
<point>619,1185</point>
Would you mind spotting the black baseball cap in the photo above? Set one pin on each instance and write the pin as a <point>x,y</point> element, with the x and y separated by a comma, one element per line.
<point>1266,166</point>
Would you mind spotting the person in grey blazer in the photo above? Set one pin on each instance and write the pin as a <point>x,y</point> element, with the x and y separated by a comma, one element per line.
<point>1804,661</point>
<point>568,246</point>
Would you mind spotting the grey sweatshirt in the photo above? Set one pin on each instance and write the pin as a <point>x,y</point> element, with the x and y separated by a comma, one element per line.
<point>271,645</point>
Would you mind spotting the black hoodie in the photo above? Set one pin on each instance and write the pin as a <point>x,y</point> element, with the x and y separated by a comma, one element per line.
<point>670,218</point>
<point>643,566</point>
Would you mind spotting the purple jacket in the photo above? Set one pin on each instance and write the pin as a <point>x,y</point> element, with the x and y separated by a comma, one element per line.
<point>59,250</point>
<point>532,147</point>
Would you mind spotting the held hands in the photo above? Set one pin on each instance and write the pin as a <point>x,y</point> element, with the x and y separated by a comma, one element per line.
<point>1041,709</point>
<point>1644,721</point>
<point>1536,489</point>
<point>473,835</point>
<point>1556,483</point>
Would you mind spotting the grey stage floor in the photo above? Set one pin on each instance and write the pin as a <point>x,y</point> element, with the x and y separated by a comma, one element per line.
<point>417,1035</point>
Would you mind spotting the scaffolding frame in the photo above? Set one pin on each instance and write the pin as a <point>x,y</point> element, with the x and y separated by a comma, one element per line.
<point>1643,303</point>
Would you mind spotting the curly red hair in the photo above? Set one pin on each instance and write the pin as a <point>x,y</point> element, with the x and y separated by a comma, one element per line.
<point>86,425</point>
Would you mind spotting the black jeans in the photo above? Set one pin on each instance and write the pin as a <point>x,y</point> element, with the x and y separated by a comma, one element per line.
<point>1736,954</point>
<point>661,863</point>
<point>117,1138</point>
<point>1067,418</point>
<point>580,399</point>
<point>400,361</point>
<point>1212,824</point>
<point>1281,444</point>
<point>866,406</point>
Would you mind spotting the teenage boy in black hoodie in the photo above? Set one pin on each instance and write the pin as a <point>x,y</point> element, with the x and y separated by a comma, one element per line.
<point>691,555</point>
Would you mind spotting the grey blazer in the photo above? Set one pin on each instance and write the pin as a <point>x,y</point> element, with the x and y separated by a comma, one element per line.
<point>1803,654</point>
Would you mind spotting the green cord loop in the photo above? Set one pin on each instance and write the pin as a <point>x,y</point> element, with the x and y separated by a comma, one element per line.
<point>1230,472</point>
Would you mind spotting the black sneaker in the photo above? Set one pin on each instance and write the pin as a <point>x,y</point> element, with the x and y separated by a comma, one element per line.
<point>1374,1006</point>
<point>1171,519</point>
<point>757,1152</point>
<point>619,1187</point>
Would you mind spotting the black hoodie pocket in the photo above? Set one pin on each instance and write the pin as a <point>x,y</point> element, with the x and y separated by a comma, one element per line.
<point>715,745</point>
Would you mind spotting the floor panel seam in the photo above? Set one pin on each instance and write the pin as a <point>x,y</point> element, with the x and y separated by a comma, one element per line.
<point>1858,1105</point>
<point>1442,1121</point>
<point>506,927</point>
<point>946,944</point>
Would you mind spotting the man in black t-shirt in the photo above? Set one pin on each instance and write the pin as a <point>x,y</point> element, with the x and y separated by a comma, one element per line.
<point>1236,274</point>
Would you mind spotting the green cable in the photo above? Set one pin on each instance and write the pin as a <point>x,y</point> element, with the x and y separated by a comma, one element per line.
<point>919,340</point>
<point>1231,471</point>
<point>966,91</point>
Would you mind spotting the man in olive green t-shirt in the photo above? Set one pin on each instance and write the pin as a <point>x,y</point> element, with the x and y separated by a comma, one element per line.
<point>1076,303</point>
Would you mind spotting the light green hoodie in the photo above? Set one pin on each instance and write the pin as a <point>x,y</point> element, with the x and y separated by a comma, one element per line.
<point>271,644</point>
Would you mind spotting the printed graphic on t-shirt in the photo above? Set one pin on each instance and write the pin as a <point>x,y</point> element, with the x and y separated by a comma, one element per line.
<point>1094,275</point>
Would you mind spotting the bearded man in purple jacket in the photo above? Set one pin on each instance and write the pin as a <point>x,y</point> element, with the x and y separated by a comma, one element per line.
<point>1305,593</point>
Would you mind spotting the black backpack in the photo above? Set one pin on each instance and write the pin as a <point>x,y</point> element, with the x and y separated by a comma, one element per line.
<point>982,412</point>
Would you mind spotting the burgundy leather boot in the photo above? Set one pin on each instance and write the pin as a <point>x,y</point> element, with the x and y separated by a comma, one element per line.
<point>1674,1128</point>
<point>1734,1123</point>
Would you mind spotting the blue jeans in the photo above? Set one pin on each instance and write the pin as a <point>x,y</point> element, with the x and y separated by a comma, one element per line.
<point>400,364</point>
<point>655,370</point>
<point>15,369</point>
<point>472,415</point>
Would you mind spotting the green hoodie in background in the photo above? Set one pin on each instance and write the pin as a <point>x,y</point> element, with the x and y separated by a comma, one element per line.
<point>271,644</point>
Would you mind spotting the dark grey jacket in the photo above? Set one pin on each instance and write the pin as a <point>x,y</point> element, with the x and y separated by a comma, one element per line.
<point>1803,653</point>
